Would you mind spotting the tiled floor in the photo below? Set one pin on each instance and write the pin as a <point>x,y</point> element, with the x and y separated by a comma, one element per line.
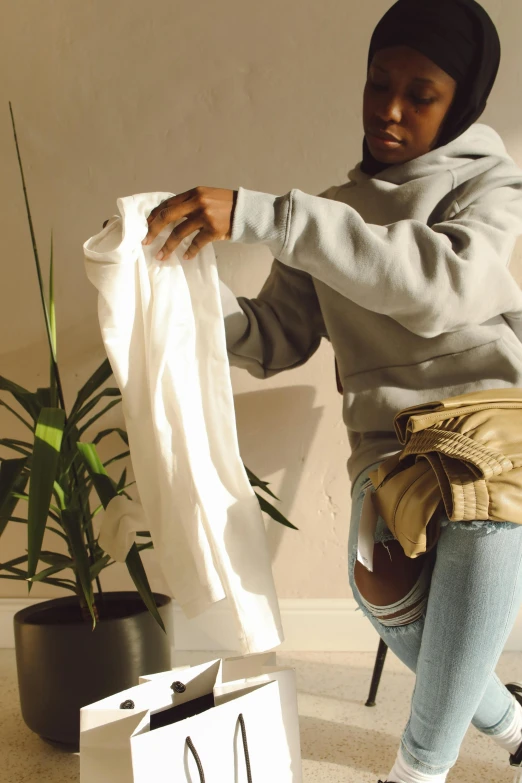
<point>342,740</point>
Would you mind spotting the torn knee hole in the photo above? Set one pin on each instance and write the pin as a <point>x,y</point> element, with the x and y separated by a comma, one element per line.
<point>394,595</point>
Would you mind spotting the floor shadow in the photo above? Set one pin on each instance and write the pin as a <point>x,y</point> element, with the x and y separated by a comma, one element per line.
<point>344,744</point>
<point>374,750</point>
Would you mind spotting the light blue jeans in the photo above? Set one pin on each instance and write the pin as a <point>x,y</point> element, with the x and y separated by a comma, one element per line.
<point>475,591</point>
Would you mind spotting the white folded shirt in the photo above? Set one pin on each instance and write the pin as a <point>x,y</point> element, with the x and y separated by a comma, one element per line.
<point>162,326</point>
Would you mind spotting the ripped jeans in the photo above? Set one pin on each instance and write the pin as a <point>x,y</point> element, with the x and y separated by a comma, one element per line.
<point>473,582</point>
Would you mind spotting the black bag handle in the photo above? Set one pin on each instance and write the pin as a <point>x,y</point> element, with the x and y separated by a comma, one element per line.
<point>245,748</point>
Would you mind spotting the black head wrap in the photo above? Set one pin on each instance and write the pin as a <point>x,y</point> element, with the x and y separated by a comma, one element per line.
<point>459,37</point>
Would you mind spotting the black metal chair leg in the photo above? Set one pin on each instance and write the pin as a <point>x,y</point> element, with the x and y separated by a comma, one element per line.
<point>377,671</point>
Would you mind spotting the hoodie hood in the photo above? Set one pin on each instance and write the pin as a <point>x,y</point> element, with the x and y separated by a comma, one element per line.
<point>479,141</point>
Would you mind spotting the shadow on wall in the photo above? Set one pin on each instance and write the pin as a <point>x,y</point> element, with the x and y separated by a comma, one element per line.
<point>276,428</point>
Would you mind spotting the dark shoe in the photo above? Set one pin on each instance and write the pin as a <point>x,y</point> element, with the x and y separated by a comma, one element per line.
<point>515,688</point>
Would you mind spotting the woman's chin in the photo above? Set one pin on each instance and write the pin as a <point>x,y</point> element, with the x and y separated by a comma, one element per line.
<point>393,155</point>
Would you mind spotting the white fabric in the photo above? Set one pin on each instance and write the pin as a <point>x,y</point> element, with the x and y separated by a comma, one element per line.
<point>120,522</point>
<point>162,326</point>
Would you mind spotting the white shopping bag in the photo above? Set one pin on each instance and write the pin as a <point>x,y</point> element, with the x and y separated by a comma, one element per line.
<point>231,720</point>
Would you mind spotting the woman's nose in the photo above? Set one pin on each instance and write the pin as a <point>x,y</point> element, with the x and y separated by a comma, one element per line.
<point>389,110</point>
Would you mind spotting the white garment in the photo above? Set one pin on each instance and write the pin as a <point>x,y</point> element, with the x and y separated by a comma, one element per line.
<point>120,522</point>
<point>162,326</point>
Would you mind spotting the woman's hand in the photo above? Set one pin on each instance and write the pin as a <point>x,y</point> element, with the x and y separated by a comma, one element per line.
<point>207,209</point>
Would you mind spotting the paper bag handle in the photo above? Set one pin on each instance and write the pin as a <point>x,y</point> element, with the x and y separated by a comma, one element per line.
<point>245,748</point>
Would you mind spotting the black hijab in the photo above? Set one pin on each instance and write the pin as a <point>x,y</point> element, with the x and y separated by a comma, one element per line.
<point>459,37</point>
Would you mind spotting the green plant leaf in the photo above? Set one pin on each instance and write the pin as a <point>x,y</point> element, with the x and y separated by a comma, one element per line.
<point>42,576</point>
<point>47,444</point>
<point>58,532</point>
<point>257,482</point>
<point>72,522</point>
<point>99,415</point>
<point>269,509</point>
<point>17,442</point>
<point>69,451</point>
<point>106,491</point>
<point>50,581</point>
<point>116,458</point>
<point>44,397</point>
<point>17,445</point>
<point>52,326</point>
<point>33,239</point>
<point>103,434</point>
<point>103,483</point>
<point>60,496</point>
<point>139,577</point>
<point>99,565</point>
<point>13,479</point>
<point>20,418</point>
<point>22,521</point>
<point>56,559</point>
<point>78,415</point>
<point>99,376</point>
<point>121,483</point>
<point>148,545</point>
<point>15,570</point>
<point>21,574</point>
<point>16,561</point>
<point>28,400</point>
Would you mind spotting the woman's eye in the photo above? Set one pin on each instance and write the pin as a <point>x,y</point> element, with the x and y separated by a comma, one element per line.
<point>416,99</point>
<point>424,101</point>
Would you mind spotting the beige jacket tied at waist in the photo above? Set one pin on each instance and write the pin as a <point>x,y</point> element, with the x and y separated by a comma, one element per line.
<point>464,453</point>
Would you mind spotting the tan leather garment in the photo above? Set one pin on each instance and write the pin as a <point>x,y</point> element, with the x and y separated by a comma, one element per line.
<point>462,454</point>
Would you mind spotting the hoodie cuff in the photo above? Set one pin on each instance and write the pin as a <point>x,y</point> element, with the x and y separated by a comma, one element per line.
<point>262,218</point>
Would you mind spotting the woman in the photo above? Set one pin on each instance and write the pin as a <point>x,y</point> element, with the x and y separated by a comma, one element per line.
<point>404,269</point>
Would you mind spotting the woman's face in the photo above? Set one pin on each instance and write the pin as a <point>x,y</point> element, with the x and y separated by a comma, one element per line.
<point>408,96</point>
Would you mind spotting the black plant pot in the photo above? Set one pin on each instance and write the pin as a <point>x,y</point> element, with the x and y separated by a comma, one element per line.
<point>63,664</point>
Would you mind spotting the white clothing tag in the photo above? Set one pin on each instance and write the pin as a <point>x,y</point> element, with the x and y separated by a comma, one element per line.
<point>119,524</point>
<point>367,525</point>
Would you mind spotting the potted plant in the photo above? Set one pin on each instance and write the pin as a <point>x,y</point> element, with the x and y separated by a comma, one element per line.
<point>73,650</point>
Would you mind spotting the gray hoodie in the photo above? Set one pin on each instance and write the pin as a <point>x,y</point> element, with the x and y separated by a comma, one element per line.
<point>406,273</point>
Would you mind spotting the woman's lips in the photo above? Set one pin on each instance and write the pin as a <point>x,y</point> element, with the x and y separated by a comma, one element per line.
<point>385,144</point>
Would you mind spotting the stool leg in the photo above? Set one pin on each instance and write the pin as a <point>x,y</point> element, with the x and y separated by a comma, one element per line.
<point>377,671</point>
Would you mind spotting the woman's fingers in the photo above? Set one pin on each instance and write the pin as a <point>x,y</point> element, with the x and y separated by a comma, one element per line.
<point>177,235</point>
<point>200,240</point>
<point>170,211</point>
<point>207,209</point>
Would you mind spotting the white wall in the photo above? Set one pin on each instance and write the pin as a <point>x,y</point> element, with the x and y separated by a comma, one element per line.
<point>114,98</point>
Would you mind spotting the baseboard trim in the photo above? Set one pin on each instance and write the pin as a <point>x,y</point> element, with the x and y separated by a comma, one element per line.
<point>322,625</point>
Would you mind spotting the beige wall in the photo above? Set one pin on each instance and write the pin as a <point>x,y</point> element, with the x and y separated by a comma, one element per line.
<point>113,98</point>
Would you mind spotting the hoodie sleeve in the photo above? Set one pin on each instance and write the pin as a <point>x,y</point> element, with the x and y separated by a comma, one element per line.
<point>431,279</point>
<point>277,330</point>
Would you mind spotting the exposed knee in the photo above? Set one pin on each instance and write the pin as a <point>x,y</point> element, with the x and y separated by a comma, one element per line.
<point>395,592</point>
